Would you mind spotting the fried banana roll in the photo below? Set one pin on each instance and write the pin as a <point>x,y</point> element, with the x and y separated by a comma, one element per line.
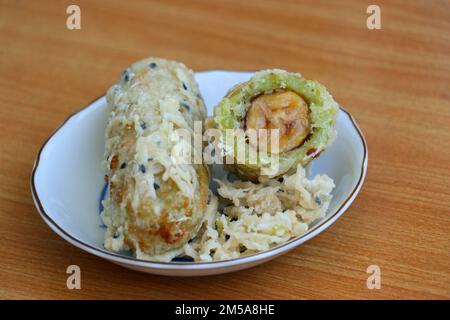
<point>301,111</point>
<point>155,205</point>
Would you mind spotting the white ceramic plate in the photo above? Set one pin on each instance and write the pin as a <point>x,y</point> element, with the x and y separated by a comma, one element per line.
<point>67,182</point>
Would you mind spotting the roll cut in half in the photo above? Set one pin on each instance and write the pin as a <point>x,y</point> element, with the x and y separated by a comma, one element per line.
<point>155,205</point>
<point>302,112</point>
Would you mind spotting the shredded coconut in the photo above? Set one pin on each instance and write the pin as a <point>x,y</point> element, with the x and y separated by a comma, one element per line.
<point>255,217</point>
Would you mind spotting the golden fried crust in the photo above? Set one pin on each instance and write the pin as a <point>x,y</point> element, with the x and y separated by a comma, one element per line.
<point>164,234</point>
<point>154,205</point>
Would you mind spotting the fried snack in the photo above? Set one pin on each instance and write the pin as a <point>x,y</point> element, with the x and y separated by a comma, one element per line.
<point>155,205</point>
<point>302,111</point>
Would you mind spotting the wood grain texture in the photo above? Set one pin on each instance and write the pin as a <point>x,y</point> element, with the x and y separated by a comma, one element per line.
<point>395,81</point>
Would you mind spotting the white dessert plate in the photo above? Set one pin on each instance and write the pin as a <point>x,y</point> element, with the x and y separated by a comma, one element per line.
<point>67,182</point>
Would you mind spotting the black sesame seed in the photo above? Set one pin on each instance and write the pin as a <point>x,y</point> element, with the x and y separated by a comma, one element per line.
<point>242,248</point>
<point>281,179</point>
<point>246,207</point>
<point>185,86</point>
<point>149,159</point>
<point>227,237</point>
<point>152,65</point>
<point>116,234</point>
<point>156,186</point>
<point>126,75</point>
<point>123,165</point>
<point>142,168</point>
<point>318,200</point>
<point>143,125</point>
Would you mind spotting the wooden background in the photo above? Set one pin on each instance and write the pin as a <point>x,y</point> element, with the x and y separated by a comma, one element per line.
<point>395,81</point>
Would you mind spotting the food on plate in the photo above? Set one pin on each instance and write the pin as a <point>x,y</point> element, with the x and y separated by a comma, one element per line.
<point>301,111</point>
<point>155,205</point>
<point>160,208</point>
<point>258,216</point>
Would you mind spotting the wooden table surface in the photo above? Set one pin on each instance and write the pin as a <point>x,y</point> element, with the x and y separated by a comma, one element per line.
<point>395,81</point>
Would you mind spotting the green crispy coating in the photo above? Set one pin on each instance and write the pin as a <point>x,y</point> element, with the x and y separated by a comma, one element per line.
<point>230,113</point>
